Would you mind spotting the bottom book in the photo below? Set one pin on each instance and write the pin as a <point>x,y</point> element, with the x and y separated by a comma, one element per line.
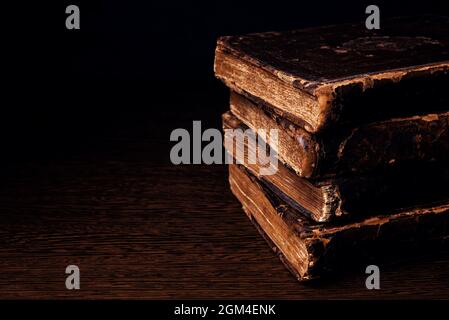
<point>310,249</point>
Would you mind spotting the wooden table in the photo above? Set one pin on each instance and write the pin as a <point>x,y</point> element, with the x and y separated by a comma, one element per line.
<point>139,227</point>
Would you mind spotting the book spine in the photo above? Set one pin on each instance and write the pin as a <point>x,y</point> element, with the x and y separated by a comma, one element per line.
<point>322,248</point>
<point>420,140</point>
<point>417,90</point>
<point>379,145</point>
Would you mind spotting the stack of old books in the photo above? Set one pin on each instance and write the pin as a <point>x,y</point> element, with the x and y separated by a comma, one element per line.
<point>361,123</point>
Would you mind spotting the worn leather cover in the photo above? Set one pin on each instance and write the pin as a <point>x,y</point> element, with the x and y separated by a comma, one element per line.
<point>310,249</point>
<point>381,192</point>
<point>344,74</point>
<point>379,145</point>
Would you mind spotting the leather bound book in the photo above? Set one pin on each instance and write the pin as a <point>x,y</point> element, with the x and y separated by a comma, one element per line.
<point>374,146</point>
<point>343,75</point>
<point>380,192</point>
<point>311,249</point>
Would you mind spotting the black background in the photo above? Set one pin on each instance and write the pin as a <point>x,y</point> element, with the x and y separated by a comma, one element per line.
<point>85,174</point>
<point>142,65</point>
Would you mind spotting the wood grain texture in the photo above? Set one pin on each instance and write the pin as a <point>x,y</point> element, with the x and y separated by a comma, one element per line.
<point>139,227</point>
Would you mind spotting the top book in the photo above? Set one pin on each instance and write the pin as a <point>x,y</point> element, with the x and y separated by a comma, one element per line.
<point>342,75</point>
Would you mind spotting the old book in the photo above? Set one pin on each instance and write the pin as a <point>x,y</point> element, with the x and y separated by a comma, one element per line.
<point>309,249</point>
<point>333,76</point>
<point>381,192</point>
<point>381,144</point>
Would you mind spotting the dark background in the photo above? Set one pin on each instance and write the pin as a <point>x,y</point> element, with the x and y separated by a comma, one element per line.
<point>137,59</point>
<point>85,174</point>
